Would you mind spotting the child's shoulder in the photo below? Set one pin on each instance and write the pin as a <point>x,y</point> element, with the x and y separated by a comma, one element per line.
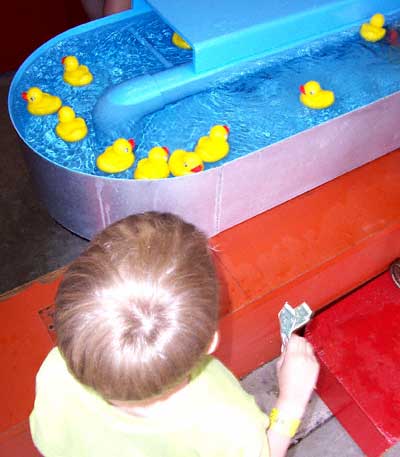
<point>212,368</point>
<point>222,405</point>
<point>52,365</point>
<point>219,386</point>
<point>54,375</point>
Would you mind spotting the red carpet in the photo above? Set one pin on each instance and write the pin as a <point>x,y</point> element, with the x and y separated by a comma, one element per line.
<point>357,341</point>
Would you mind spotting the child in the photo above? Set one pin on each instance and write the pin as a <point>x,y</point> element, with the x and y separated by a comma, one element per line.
<point>99,8</point>
<point>395,272</point>
<point>136,319</point>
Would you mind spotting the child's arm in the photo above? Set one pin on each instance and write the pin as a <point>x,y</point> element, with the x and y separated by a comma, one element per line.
<point>116,6</point>
<point>297,372</point>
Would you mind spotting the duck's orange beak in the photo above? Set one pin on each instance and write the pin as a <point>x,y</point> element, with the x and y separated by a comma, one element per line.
<point>197,169</point>
<point>24,96</point>
<point>131,141</point>
<point>302,89</point>
<point>166,149</point>
<point>226,128</point>
<point>63,60</point>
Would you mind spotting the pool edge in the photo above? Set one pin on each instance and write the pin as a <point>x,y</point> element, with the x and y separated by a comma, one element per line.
<point>222,197</point>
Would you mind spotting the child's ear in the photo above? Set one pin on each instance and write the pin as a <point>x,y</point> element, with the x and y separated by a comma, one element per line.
<point>214,343</point>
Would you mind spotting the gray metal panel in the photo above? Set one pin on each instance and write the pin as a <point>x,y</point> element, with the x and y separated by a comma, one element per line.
<point>222,197</point>
<point>86,204</point>
<point>277,173</point>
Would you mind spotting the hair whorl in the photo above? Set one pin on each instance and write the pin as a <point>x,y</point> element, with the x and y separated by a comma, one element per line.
<point>138,309</point>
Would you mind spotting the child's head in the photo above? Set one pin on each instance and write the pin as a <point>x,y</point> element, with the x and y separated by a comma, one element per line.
<point>138,309</point>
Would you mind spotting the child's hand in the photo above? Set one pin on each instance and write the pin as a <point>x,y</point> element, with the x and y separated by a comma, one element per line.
<point>297,371</point>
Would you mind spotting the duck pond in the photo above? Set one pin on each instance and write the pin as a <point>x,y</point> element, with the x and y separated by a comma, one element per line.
<point>259,104</point>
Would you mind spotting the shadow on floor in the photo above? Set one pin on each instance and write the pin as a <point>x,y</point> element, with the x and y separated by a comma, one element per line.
<point>32,243</point>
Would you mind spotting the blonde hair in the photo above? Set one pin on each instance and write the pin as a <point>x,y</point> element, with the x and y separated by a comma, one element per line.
<point>138,309</point>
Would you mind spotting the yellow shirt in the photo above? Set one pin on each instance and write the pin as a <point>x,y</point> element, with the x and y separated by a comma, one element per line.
<point>211,417</point>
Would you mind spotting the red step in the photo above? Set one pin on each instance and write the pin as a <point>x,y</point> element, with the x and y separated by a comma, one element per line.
<point>314,248</point>
<point>17,442</point>
<point>357,342</point>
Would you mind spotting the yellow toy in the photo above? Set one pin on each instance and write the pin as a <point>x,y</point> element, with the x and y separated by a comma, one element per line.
<point>215,146</point>
<point>314,97</point>
<point>373,30</point>
<point>40,103</point>
<point>155,166</point>
<point>179,42</point>
<point>70,128</point>
<point>117,157</point>
<point>74,73</point>
<point>183,163</point>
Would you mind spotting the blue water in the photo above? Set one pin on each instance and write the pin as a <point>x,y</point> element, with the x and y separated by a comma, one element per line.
<point>260,105</point>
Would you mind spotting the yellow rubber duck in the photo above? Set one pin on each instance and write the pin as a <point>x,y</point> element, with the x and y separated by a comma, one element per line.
<point>70,128</point>
<point>74,73</point>
<point>179,42</point>
<point>374,30</point>
<point>154,166</point>
<point>183,163</point>
<point>215,146</point>
<point>117,157</point>
<point>40,103</point>
<point>313,96</point>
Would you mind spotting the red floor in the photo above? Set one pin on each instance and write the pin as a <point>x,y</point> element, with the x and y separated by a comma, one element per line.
<point>316,247</point>
<point>357,341</point>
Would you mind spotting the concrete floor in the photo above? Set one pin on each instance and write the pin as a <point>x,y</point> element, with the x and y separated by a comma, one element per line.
<point>34,244</point>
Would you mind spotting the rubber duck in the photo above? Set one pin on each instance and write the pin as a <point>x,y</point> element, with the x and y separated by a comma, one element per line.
<point>74,73</point>
<point>215,146</point>
<point>41,103</point>
<point>183,163</point>
<point>373,30</point>
<point>70,128</point>
<point>154,166</point>
<point>179,42</point>
<point>313,96</point>
<point>117,157</point>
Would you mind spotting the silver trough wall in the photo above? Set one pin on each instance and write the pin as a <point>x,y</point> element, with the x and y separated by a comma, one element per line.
<point>222,197</point>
